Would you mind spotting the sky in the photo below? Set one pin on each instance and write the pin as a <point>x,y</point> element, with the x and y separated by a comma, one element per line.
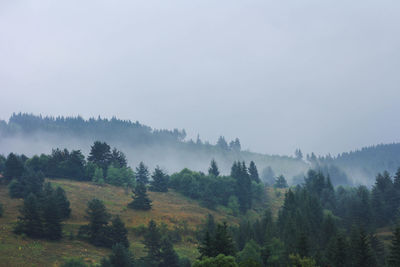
<point>322,76</point>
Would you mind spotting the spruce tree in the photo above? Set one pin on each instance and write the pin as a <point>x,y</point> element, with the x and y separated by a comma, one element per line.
<point>223,243</point>
<point>140,199</point>
<point>14,167</point>
<point>62,203</point>
<point>120,257</point>
<point>213,170</point>
<point>206,247</point>
<point>30,221</point>
<point>119,232</point>
<point>100,154</point>
<point>98,220</point>
<point>302,245</point>
<point>253,172</point>
<point>51,218</point>
<point>152,244</point>
<point>338,251</point>
<point>394,256</point>
<point>168,256</point>
<point>363,252</point>
<point>159,182</point>
<point>142,174</point>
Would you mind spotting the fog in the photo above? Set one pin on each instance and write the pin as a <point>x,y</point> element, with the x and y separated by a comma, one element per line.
<point>317,75</point>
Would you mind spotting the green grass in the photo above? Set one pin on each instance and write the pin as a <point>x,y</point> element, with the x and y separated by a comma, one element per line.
<point>170,208</point>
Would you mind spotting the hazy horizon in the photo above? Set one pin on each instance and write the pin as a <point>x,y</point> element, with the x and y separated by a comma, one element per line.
<point>320,76</point>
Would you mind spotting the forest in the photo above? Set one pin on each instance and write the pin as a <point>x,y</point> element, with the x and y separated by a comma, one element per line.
<point>318,224</point>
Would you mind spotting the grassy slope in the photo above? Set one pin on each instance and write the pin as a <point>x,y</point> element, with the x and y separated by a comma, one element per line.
<point>170,208</point>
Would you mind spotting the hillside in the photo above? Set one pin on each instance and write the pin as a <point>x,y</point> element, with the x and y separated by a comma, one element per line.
<point>172,209</point>
<point>170,149</point>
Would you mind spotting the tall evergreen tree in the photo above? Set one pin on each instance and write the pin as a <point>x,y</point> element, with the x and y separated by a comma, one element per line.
<point>118,159</point>
<point>51,218</point>
<point>302,245</point>
<point>98,220</point>
<point>223,243</point>
<point>338,251</point>
<point>168,256</point>
<point>152,244</point>
<point>213,170</point>
<point>363,253</point>
<point>253,172</point>
<point>62,203</point>
<point>243,185</point>
<point>142,174</point>
<point>394,256</point>
<point>280,182</point>
<point>160,181</point>
<point>140,199</point>
<point>100,154</point>
<point>30,221</point>
<point>120,257</point>
<point>119,233</point>
<point>14,167</point>
<point>206,246</point>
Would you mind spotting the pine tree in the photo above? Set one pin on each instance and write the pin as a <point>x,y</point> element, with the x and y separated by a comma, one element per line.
<point>206,247</point>
<point>159,182</point>
<point>120,257</point>
<point>62,203</point>
<point>394,256</point>
<point>30,221</point>
<point>152,244</point>
<point>98,220</point>
<point>140,199</point>
<point>302,245</point>
<point>338,251</point>
<point>223,243</point>
<point>243,185</point>
<point>119,232</point>
<point>142,174</point>
<point>168,256</point>
<point>51,218</point>
<point>253,172</point>
<point>363,252</point>
<point>213,170</point>
<point>280,182</point>
<point>100,154</point>
<point>14,167</point>
<point>118,158</point>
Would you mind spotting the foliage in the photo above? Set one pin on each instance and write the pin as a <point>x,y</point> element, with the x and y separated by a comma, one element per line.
<point>160,181</point>
<point>140,200</point>
<point>218,261</point>
<point>74,263</point>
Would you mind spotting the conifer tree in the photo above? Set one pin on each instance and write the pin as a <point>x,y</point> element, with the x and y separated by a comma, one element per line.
<point>30,221</point>
<point>142,174</point>
<point>120,257</point>
<point>213,170</point>
<point>98,220</point>
<point>280,182</point>
<point>363,253</point>
<point>302,245</point>
<point>253,172</point>
<point>168,256</point>
<point>206,247</point>
<point>152,244</point>
<point>338,251</point>
<point>14,167</point>
<point>100,154</point>
<point>62,203</point>
<point>119,232</point>
<point>394,256</point>
<point>160,181</point>
<point>140,199</point>
<point>51,218</point>
<point>223,243</point>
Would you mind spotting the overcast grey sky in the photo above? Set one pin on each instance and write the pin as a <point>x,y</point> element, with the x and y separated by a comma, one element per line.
<point>319,75</point>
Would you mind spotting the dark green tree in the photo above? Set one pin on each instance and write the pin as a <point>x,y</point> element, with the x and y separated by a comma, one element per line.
<point>303,246</point>
<point>62,203</point>
<point>30,221</point>
<point>338,251</point>
<point>213,170</point>
<point>119,233</point>
<point>253,172</point>
<point>160,181</point>
<point>243,185</point>
<point>206,247</point>
<point>14,167</point>
<point>152,244</point>
<point>118,159</point>
<point>142,174</point>
<point>51,218</point>
<point>100,154</point>
<point>140,199</point>
<point>98,220</point>
<point>223,242</point>
<point>394,255</point>
<point>168,256</point>
<point>363,252</point>
<point>120,257</point>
